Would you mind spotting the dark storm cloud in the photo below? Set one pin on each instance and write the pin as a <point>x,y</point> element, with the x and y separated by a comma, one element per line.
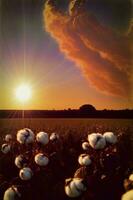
<point>100,49</point>
<point>116,13</point>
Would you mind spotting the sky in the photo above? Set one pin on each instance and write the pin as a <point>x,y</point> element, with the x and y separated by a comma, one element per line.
<point>70,53</point>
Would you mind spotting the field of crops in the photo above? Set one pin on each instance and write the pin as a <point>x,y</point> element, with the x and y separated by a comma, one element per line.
<point>49,182</point>
<point>78,126</point>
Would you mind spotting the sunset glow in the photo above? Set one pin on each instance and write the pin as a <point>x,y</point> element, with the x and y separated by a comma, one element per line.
<point>69,58</point>
<point>23,92</point>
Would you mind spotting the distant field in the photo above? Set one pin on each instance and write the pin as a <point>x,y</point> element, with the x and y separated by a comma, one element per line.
<point>7,125</point>
<point>78,128</point>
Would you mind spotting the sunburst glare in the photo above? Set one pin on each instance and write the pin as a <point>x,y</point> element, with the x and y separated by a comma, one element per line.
<point>23,92</point>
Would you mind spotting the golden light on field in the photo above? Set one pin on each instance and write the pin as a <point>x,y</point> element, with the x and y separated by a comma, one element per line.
<point>23,92</point>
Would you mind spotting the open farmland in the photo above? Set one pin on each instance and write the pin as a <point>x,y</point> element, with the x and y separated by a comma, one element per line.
<point>62,126</point>
<point>49,183</point>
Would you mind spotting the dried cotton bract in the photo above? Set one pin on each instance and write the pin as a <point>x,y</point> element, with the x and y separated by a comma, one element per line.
<point>41,159</point>
<point>74,187</point>
<point>84,160</point>
<point>8,137</point>
<point>5,148</point>
<point>11,194</point>
<point>54,136</point>
<point>42,138</point>
<point>25,173</point>
<point>96,141</point>
<point>110,137</point>
<point>25,136</point>
<point>85,145</point>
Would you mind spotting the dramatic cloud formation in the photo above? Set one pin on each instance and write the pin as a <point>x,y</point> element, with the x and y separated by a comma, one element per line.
<point>103,54</point>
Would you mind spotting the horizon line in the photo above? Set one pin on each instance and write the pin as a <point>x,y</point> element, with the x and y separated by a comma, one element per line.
<point>65,109</point>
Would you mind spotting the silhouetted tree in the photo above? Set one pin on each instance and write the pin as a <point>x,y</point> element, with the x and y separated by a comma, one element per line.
<point>87,108</point>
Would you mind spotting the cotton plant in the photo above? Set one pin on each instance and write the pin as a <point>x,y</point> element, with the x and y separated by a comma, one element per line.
<point>96,149</point>
<point>99,141</point>
<point>30,155</point>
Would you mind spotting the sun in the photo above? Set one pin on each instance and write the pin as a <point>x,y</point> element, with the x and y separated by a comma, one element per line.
<point>23,92</point>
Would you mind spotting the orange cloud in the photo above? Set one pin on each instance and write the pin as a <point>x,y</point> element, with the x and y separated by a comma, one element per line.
<point>103,55</point>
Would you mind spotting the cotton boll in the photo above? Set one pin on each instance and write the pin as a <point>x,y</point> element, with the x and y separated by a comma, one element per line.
<point>41,159</point>
<point>131,177</point>
<point>54,136</point>
<point>79,184</point>
<point>110,137</point>
<point>74,187</point>
<point>128,195</point>
<point>25,173</point>
<point>11,193</point>
<point>42,138</point>
<point>20,161</point>
<point>70,193</point>
<point>25,136</point>
<point>8,137</point>
<point>75,190</point>
<point>84,160</point>
<point>96,141</point>
<point>85,145</point>
<point>5,148</point>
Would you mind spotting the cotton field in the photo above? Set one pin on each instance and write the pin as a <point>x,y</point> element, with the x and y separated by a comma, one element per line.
<point>45,163</point>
